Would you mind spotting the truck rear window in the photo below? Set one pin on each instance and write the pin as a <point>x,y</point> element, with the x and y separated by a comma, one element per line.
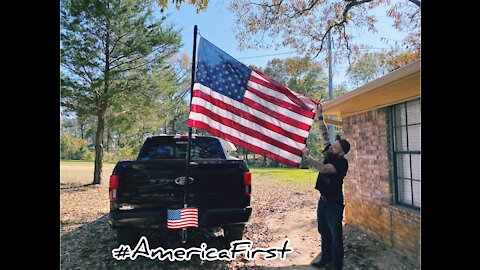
<point>157,148</point>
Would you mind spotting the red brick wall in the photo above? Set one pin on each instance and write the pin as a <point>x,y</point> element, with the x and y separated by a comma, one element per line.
<point>368,187</point>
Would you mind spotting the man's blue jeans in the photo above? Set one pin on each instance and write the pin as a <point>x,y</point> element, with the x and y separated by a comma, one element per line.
<point>329,219</point>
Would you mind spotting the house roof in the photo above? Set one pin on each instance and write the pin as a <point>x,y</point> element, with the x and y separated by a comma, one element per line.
<point>397,86</point>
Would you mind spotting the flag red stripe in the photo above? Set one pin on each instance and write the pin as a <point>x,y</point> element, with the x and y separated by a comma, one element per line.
<point>241,143</point>
<point>280,88</point>
<point>182,221</point>
<point>291,107</point>
<point>274,114</point>
<point>243,129</point>
<point>248,116</point>
<point>182,226</point>
<point>259,107</point>
<point>298,102</point>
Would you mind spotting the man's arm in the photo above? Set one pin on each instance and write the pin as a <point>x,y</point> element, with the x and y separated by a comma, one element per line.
<point>317,165</point>
<point>322,124</point>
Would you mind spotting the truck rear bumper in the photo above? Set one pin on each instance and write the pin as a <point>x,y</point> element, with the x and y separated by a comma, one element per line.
<point>157,219</point>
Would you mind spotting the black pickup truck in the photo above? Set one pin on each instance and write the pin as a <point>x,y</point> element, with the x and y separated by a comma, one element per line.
<point>141,191</point>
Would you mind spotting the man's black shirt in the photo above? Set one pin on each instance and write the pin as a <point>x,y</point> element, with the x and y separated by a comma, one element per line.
<point>330,184</point>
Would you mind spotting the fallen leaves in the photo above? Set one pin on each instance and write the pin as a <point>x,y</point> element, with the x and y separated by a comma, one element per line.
<point>87,240</point>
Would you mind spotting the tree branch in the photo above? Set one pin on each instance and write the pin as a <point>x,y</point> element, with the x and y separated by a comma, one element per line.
<point>136,58</point>
<point>76,73</point>
<point>324,36</point>
<point>349,6</point>
<point>126,62</point>
<point>416,2</point>
<point>88,75</point>
<point>300,12</point>
<point>117,41</point>
<point>267,6</point>
<point>120,113</point>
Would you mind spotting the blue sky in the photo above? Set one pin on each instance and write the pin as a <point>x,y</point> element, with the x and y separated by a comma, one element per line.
<point>217,22</point>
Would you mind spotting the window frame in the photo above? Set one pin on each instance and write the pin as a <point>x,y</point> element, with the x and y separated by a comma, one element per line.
<point>394,153</point>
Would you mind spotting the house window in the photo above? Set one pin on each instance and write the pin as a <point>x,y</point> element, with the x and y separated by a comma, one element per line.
<point>406,153</point>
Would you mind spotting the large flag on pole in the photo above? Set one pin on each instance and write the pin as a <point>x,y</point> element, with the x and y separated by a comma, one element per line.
<point>248,108</point>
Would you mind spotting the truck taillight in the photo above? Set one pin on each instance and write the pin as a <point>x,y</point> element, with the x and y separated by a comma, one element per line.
<point>247,180</point>
<point>113,188</point>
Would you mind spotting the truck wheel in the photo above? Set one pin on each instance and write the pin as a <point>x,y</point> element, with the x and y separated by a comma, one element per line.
<point>127,236</point>
<point>233,232</point>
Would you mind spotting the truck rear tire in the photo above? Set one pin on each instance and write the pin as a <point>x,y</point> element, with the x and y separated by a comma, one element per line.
<point>233,232</point>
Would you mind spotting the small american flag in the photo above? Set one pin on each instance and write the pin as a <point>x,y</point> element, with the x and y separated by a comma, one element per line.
<point>248,108</point>
<point>182,218</point>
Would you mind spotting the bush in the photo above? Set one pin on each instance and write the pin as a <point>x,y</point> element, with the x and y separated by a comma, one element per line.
<point>74,148</point>
<point>124,153</point>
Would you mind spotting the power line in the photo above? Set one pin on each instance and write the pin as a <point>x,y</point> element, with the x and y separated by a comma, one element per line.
<point>265,55</point>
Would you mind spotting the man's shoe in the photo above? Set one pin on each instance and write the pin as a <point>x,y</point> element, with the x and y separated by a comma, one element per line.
<point>321,263</point>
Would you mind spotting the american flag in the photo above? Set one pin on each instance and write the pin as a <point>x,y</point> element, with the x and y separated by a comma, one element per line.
<point>248,108</point>
<point>182,218</point>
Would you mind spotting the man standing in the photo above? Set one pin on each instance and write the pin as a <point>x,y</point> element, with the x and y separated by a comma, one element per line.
<point>330,206</point>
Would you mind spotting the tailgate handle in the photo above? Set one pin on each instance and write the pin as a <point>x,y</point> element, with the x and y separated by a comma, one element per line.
<point>181,180</point>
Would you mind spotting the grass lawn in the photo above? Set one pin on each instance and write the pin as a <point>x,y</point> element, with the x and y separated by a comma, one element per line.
<point>292,177</point>
<point>80,172</point>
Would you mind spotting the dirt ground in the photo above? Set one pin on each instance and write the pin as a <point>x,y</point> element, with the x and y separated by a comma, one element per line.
<point>278,213</point>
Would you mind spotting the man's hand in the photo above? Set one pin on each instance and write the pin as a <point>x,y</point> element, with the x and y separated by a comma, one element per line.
<point>318,110</point>
<point>305,152</point>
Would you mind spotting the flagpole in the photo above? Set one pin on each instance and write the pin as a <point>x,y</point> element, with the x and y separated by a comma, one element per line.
<point>189,144</point>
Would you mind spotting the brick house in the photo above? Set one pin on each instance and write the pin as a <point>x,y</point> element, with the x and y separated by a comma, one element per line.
<point>382,188</point>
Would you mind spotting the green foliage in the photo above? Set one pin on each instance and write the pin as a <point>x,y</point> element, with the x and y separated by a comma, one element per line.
<point>122,154</point>
<point>301,75</point>
<point>74,148</point>
<point>113,53</point>
<point>114,62</point>
<point>366,69</point>
<point>371,66</point>
<point>200,4</point>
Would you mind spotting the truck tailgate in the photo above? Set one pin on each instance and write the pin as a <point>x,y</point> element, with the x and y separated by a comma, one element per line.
<point>160,184</point>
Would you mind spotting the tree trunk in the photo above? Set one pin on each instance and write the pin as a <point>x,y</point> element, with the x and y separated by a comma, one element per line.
<point>107,146</point>
<point>173,126</point>
<point>97,175</point>
<point>102,111</point>
<point>264,161</point>
<point>82,129</point>
<point>110,142</point>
